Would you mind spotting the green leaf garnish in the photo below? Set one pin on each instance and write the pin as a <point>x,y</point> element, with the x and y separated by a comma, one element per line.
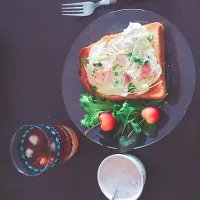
<point>93,71</point>
<point>149,129</point>
<point>131,88</point>
<point>138,60</point>
<point>115,81</point>
<point>97,64</point>
<point>93,107</point>
<point>130,85</point>
<point>127,114</point>
<point>114,67</point>
<point>94,88</point>
<point>84,60</point>
<point>116,73</point>
<point>150,36</point>
<point>132,91</point>
<point>129,54</point>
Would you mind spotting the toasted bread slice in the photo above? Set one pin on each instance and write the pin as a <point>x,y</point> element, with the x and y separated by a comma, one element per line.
<point>156,92</point>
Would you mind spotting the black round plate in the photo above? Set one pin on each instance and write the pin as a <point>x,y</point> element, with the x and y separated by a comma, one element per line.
<point>180,74</point>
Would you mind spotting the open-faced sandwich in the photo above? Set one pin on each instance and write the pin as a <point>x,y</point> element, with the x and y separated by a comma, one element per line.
<point>127,65</point>
<point>124,74</point>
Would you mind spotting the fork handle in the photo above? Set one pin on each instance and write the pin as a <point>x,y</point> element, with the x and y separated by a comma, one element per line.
<point>117,1</point>
<point>107,2</point>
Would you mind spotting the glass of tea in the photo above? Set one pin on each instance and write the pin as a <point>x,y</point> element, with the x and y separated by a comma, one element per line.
<point>37,148</point>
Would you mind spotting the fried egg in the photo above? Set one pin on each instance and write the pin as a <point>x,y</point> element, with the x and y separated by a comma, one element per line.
<point>125,65</point>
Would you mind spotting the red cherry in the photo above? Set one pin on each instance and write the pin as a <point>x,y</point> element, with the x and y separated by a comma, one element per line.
<point>150,114</point>
<point>107,121</point>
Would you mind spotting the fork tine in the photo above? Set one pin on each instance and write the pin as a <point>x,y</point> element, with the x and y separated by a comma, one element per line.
<point>72,11</point>
<point>73,14</point>
<point>68,8</point>
<point>72,4</point>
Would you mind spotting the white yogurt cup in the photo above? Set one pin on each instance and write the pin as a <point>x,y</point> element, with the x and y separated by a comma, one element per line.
<point>126,173</point>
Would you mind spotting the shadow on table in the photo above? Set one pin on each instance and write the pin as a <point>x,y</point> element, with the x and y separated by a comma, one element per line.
<point>4,84</point>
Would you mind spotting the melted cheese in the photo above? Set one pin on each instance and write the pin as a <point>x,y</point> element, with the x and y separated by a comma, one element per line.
<point>113,67</point>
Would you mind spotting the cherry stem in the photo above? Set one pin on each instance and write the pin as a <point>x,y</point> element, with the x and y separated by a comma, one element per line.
<point>86,132</point>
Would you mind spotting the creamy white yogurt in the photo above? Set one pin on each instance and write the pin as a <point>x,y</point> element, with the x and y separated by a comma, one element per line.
<point>124,173</point>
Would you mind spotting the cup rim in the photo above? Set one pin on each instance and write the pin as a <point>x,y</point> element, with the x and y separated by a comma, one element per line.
<point>11,150</point>
<point>137,165</point>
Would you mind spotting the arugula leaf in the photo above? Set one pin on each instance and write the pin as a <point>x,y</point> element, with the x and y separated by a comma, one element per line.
<point>136,127</point>
<point>149,129</point>
<point>116,108</point>
<point>125,116</point>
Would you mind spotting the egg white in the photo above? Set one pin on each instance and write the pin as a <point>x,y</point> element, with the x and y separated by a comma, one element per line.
<point>109,81</point>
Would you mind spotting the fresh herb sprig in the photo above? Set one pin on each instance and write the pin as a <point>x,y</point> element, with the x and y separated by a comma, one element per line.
<point>98,64</point>
<point>84,60</point>
<point>150,36</point>
<point>131,88</point>
<point>139,60</point>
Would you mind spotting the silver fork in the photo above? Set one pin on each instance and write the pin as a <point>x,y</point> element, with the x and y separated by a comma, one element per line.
<point>84,8</point>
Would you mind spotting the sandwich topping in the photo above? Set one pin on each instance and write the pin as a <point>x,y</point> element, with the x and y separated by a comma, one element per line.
<point>125,65</point>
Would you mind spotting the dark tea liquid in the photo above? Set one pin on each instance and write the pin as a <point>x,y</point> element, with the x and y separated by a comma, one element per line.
<point>61,146</point>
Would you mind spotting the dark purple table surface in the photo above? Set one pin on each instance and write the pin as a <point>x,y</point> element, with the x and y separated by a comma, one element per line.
<point>34,40</point>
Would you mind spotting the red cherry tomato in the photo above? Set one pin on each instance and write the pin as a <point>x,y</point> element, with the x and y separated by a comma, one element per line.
<point>150,114</point>
<point>107,121</point>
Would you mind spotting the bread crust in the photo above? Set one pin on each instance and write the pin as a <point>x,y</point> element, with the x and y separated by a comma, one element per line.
<point>157,92</point>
